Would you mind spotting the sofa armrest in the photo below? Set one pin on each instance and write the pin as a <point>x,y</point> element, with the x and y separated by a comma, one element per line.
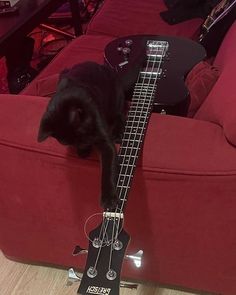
<point>187,146</point>
<point>172,144</point>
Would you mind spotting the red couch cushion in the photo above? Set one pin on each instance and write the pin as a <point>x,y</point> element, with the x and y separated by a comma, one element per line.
<point>79,50</point>
<point>121,17</point>
<point>200,81</point>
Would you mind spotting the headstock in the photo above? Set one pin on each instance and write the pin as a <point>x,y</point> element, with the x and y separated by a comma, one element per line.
<point>107,246</point>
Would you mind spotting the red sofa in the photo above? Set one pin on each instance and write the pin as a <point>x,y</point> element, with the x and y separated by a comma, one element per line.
<point>181,209</point>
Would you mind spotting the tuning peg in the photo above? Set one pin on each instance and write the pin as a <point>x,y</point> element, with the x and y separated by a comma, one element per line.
<point>136,258</point>
<point>78,250</point>
<point>72,277</point>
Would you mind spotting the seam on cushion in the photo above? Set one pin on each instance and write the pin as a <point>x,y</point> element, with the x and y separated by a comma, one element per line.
<point>144,168</point>
<point>40,151</point>
<point>189,172</point>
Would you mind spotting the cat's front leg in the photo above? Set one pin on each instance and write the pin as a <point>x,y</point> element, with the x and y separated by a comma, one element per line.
<point>109,197</point>
<point>84,151</point>
<point>117,128</point>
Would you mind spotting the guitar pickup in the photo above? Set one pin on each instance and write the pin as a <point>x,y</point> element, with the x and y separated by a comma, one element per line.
<point>113,215</point>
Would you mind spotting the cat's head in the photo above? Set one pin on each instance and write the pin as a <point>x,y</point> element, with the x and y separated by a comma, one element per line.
<point>67,117</point>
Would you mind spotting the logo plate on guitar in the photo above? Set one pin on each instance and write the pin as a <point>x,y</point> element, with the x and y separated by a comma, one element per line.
<point>98,290</point>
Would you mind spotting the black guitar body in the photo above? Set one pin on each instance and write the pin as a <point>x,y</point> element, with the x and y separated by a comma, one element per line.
<point>172,96</point>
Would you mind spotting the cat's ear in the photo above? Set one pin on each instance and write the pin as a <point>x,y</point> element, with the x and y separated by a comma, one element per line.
<point>45,128</point>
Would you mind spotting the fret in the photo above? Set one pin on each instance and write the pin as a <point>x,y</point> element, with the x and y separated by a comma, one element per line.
<point>141,84</point>
<point>124,182</point>
<point>143,104</point>
<point>131,134</point>
<point>151,72</point>
<point>137,120</point>
<point>137,114</point>
<point>126,169</point>
<point>134,130</point>
<point>143,95</point>
<point>127,164</point>
<point>140,113</point>
<point>141,109</point>
<point>133,138</point>
<point>123,186</point>
<point>154,58</point>
<point>143,113</point>
<point>131,143</point>
<point>145,107</point>
<point>132,119</point>
<point>144,90</point>
<point>124,155</point>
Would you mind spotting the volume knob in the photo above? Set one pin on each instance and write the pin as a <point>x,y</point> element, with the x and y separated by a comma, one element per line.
<point>126,51</point>
<point>128,42</point>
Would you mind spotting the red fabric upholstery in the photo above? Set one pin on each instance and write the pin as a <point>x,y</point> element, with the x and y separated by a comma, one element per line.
<point>199,81</point>
<point>81,49</point>
<point>121,17</point>
<point>181,208</point>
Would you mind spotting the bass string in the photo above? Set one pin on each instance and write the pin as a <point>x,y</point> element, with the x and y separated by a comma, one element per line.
<point>100,247</point>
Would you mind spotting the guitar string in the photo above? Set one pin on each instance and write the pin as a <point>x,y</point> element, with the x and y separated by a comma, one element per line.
<point>140,106</point>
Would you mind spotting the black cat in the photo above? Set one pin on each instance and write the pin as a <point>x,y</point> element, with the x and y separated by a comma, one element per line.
<point>87,111</point>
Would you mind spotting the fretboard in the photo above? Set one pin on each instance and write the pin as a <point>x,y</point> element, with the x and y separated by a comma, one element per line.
<point>138,117</point>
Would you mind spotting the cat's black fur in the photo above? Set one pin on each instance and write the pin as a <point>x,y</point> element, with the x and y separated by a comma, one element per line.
<point>87,111</point>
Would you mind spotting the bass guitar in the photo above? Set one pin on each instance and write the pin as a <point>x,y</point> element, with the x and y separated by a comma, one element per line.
<point>166,59</point>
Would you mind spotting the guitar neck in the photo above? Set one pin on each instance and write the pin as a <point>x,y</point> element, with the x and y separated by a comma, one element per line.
<point>138,117</point>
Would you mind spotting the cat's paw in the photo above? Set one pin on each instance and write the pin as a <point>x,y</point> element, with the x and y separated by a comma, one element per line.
<point>109,200</point>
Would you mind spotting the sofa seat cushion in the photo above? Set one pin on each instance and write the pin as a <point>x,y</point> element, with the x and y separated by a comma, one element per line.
<point>81,49</point>
<point>138,17</point>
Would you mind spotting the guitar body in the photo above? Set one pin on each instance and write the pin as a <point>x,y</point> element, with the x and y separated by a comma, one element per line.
<point>172,96</point>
